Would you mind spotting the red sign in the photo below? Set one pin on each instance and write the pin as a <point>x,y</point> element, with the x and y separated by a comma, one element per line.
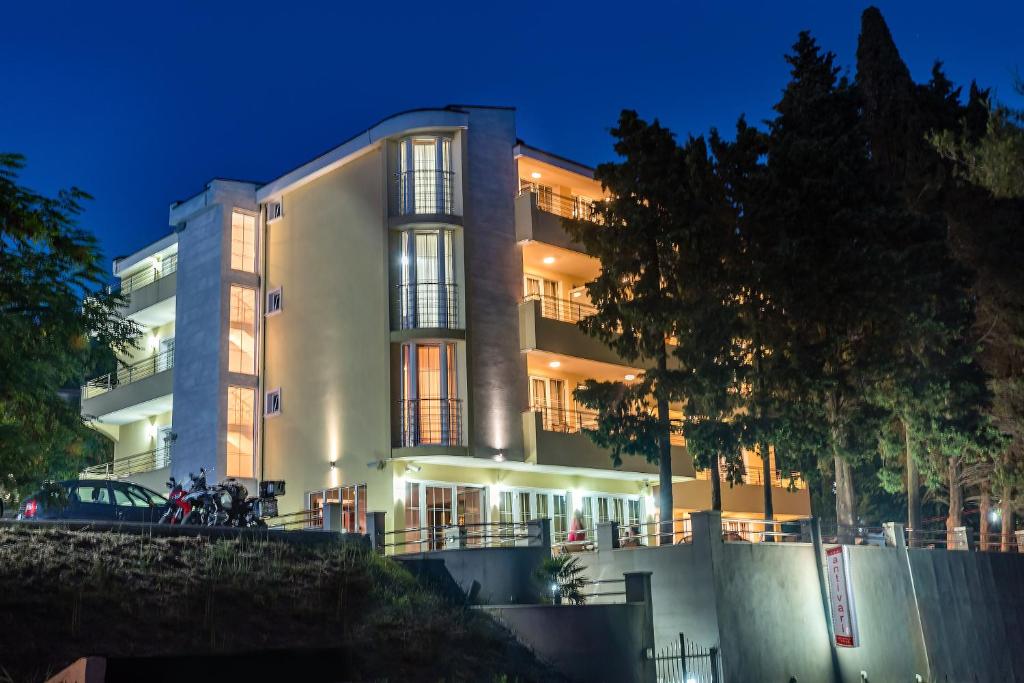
<point>840,588</point>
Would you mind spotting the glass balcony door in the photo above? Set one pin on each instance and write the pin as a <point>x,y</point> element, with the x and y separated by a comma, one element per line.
<point>548,397</point>
<point>426,177</point>
<point>431,412</point>
<point>428,295</point>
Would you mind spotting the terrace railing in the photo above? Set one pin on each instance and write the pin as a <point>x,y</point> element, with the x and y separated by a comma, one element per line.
<point>467,535</point>
<point>150,275</point>
<point>120,468</point>
<point>430,422</point>
<point>755,477</point>
<point>563,310</point>
<point>575,419</point>
<point>130,373</point>
<point>425,191</point>
<point>571,206</point>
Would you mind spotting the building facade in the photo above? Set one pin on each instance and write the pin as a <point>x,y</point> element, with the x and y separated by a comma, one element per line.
<point>392,326</point>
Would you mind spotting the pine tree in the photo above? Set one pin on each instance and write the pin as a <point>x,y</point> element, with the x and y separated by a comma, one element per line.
<point>636,294</point>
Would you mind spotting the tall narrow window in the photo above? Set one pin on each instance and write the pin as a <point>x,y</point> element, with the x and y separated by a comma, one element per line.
<point>242,331</point>
<point>428,293</point>
<point>426,182</point>
<point>243,242</point>
<point>559,518</point>
<point>413,514</point>
<point>430,406</point>
<point>241,439</point>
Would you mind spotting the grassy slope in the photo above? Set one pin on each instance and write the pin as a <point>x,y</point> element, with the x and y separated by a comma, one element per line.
<point>68,594</point>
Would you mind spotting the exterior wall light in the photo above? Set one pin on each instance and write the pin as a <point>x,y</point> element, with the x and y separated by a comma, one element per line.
<point>548,260</point>
<point>334,464</point>
<point>535,175</point>
<point>413,467</point>
<point>151,431</point>
<point>554,364</point>
<point>499,457</point>
<point>630,377</point>
<point>154,341</point>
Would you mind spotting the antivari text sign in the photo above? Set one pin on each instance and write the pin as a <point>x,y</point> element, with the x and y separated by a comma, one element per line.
<point>840,589</point>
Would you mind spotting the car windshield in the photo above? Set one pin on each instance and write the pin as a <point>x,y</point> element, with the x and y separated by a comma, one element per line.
<point>152,496</point>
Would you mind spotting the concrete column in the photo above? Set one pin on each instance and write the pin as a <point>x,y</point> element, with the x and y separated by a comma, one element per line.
<point>375,530</point>
<point>638,592</point>
<point>962,538</point>
<point>707,527</point>
<point>608,535</point>
<point>332,517</point>
<point>454,538</point>
<point>539,533</point>
<point>894,535</point>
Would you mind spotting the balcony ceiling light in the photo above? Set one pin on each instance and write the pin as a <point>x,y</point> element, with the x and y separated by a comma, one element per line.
<point>548,260</point>
<point>630,377</point>
<point>535,175</point>
<point>555,364</point>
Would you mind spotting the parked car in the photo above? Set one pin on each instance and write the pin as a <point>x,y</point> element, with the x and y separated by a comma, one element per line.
<point>94,499</point>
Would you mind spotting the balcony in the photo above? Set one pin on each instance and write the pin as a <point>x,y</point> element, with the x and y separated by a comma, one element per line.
<point>425,192</point>
<point>539,216</point>
<point>556,435</point>
<point>150,287</point>
<point>122,468</point>
<point>549,324</point>
<point>426,305</point>
<point>139,390</point>
<point>426,422</point>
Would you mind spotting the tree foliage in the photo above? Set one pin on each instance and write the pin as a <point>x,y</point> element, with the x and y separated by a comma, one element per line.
<point>57,321</point>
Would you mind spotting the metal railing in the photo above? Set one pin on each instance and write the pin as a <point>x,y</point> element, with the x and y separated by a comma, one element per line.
<point>755,477</point>
<point>561,309</point>
<point>752,530</point>
<point>427,304</point>
<point>133,464</point>
<point>302,519</point>
<point>425,191</point>
<point>597,590</point>
<point>130,373</point>
<point>574,419</point>
<point>457,536</point>
<point>570,206</point>
<point>687,662</point>
<point>430,422</point>
<point>150,275</point>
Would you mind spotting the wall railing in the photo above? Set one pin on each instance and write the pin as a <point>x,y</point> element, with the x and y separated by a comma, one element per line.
<point>467,535</point>
<point>430,422</point>
<point>148,276</point>
<point>130,373</point>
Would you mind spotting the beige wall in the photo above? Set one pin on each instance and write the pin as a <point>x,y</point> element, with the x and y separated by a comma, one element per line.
<point>132,439</point>
<point>328,349</point>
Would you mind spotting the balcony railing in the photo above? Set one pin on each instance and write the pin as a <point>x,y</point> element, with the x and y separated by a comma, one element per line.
<point>150,275</point>
<point>430,422</point>
<point>133,464</point>
<point>562,309</point>
<point>560,205</point>
<point>575,419</point>
<point>427,304</point>
<point>755,477</point>
<point>130,373</point>
<point>425,191</point>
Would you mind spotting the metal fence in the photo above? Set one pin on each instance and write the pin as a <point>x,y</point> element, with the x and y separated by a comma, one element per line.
<point>430,422</point>
<point>563,310</point>
<point>755,477</point>
<point>457,536</point>
<point>573,419</point>
<point>303,519</point>
<point>425,191</point>
<point>561,205</point>
<point>148,276</point>
<point>133,464</point>
<point>427,304</point>
<point>687,662</point>
<point>130,373</point>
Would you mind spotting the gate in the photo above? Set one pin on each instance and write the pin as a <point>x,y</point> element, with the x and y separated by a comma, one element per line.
<point>686,662</point>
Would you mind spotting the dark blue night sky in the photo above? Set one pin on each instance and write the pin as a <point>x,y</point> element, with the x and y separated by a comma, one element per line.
<point>141,103</point>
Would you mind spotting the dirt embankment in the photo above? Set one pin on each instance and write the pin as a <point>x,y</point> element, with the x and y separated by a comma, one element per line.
<point>66,594</point>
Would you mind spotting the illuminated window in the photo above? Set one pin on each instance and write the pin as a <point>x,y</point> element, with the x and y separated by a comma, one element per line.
<point>426,175</point>
<point>242,331</point>
<point>241,437</point>
<point>243,242</point>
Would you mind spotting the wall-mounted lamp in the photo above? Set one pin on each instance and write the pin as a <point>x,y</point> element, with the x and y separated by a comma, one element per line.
<point>499,457</point>
<point>153,342</point>
<point>413,467</point>
<point>334,464</point>
<point>535,175</point>
<point>151,431</point>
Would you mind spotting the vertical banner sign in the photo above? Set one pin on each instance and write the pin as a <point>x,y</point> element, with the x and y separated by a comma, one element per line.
<point>844,613</point>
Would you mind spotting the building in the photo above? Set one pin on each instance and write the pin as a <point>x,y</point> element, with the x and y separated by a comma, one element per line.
<point>390,325</point>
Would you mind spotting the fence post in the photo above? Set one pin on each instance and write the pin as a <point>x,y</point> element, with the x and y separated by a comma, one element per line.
<point>894,536</point>
<point>375,530</point>
<point>1019,535</point>
<point>638,591</point>
<point>806,531</point>
<point>713,653</point>
<point>332,517</point>
<point>962,535</point>
<point>608,535</point>
<point>454,537</point>
<point>682,654</point>
<point>539,532</point>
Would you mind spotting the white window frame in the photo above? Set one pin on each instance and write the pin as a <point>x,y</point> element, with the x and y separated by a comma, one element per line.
<point>280,212</point>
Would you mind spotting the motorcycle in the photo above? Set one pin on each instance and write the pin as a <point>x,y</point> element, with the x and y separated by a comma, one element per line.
<point>182,503</point>
<point>225,504</point>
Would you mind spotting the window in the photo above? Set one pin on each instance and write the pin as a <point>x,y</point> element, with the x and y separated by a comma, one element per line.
<point>352,499</point>
<point>243,242</point>
<point>273,302</point>
<point>430,406</point>
<point>274,211</point>
<point>241,437</point>
<point>272,403</point>
<point>428,294</point>
<point>426,183</point>
<point>242,331</point>
<point>91,493</point>
<point>413,514</point>
<point>559,519</point>
<point>548,397</point>
<point>429,508</point>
